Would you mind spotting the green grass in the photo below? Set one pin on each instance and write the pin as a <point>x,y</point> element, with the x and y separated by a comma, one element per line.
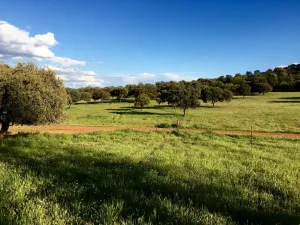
<point>130,177</point>
<point>276,112</point>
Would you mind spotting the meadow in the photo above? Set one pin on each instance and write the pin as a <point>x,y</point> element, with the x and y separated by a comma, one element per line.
<point>273,112</point>
<point>134,177</point>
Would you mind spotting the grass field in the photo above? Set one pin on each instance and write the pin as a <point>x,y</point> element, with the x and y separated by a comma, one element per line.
<point>275,112</point>
<point>131,177</point>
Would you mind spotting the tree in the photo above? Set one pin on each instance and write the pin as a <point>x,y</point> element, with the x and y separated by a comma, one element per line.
<point>186,95</point>
<point>142,100</point>
<point>119,92</point>
<point>227,95</point>
<point>86,96</point>
<point>30,96</point>
<point>263,88</point>
<point>215,94</point>
<point>73,96</point>
<point>243,90</point>
<point>100,94</point>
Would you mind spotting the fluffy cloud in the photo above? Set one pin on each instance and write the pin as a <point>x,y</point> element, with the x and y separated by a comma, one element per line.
<point>73,77</point>
<point>147,78</point>
<point>16,43</point>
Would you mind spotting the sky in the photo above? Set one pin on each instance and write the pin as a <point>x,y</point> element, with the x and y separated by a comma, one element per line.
<point>118,42</point>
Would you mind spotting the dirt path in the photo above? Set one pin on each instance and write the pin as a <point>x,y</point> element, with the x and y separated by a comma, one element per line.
<point>88,129</point>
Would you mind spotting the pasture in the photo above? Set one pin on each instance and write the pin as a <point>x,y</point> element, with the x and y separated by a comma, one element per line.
<point>273,112</point>
<point>131,177</point>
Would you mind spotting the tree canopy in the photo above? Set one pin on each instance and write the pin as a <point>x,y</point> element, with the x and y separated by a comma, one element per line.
<point>142,100</point>
<point>30,95</point>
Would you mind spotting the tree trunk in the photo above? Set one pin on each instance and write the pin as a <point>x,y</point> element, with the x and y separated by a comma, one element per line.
<point>213,103</point>
<point>184,112</point>
<point>4,126</point>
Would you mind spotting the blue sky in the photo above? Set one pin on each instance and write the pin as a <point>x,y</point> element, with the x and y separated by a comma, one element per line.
<point>115,42</point>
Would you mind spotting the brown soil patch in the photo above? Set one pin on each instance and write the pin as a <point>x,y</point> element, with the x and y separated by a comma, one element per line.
<point>88,129</point>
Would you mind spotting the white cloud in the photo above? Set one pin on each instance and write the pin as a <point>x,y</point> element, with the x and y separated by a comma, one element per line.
<point>71,71</point>
<point>97,62</point>
<point>63,77</point>
<point>75,77</point>
<point>66,61</point>
<point>17,58</point>
<point>146,78</point>
<point>15,42</point>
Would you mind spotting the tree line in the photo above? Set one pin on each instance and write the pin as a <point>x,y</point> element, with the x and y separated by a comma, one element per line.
<point>181,94</point>
<point>32,95</point>
<point>280,79</point>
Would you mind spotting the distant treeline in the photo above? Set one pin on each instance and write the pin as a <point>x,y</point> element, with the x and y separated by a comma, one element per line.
<point>282,79</point>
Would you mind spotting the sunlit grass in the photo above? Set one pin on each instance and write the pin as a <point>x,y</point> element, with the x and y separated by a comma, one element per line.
<point>130,177</point>
<point>276,112</point>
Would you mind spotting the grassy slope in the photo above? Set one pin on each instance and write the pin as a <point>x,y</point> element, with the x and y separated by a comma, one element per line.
<point>148,177</point>
<point>272,112</point>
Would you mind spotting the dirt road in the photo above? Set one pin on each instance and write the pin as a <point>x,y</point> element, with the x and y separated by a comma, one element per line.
<point>88,129</point>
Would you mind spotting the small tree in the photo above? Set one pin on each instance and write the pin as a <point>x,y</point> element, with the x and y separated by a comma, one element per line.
<point>215,94</point>
<point>141,101</point>
<point>119,92</point>
<point>187,95</point>
<point>244,89</point>
<point>227,95</point>
<point>263,88</point>
<point>86,96</point>
<point>30,96</point>
<point>100,94</point>
<point>73,96</point>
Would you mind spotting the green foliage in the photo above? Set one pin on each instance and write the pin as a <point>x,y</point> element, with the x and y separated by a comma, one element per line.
<point>181,94</point>
<point>243,89</point>
<point>128,177</point>
<point>86,96</point>
<point>186,95</point>
<point>263,88</point>
<point>142,100</point>
<point>73,96</point>
<point>100,94</point>
<point>215,94</point>
<point>119,92</point>
<point>29,95</point>
<point>280,79</point>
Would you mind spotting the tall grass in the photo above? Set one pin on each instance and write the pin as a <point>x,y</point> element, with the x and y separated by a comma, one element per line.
<point>130,177</point>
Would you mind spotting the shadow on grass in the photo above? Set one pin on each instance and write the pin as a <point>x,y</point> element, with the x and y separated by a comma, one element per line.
<point>106,101</point>
<point>143,113</point>
<point>138,111</point>
<point>93,178</point>
<point>291,98</point>
<point>284,101</point>
<point>287,100</point>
